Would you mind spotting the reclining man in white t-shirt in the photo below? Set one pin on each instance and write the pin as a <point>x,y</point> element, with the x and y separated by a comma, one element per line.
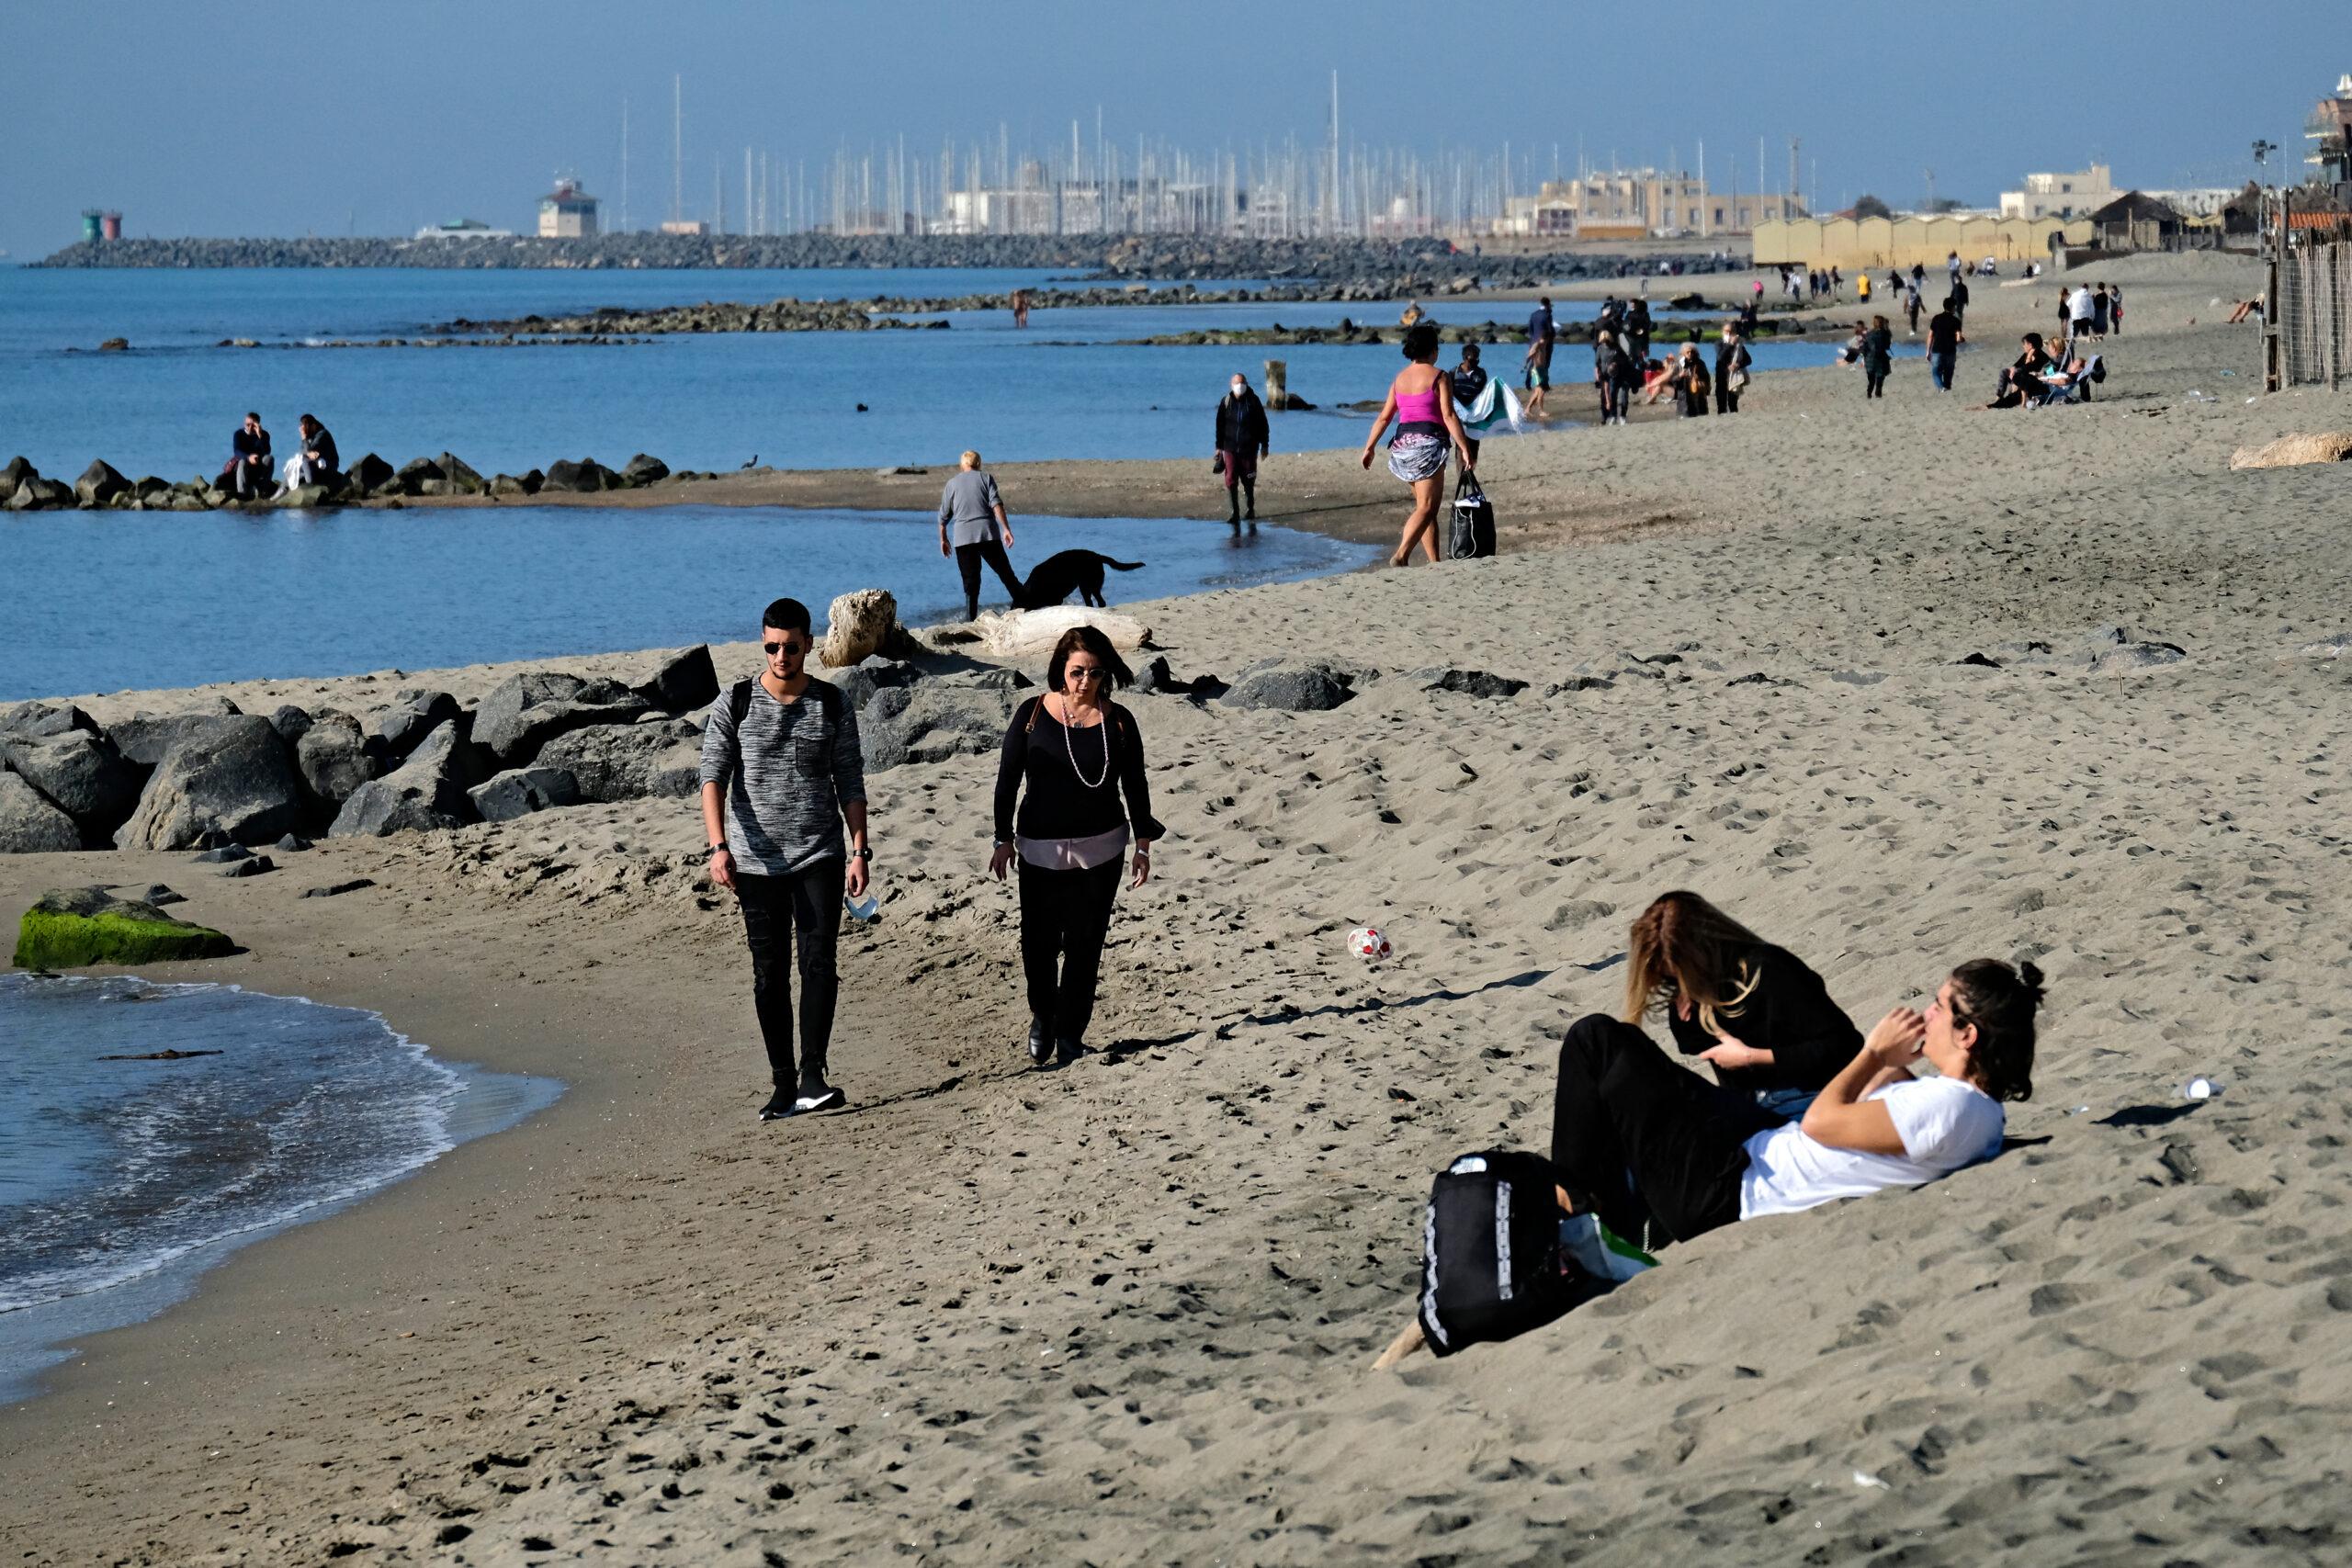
<point>1661,1155</point>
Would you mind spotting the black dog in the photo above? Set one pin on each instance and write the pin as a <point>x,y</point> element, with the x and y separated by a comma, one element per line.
<point>1051,579</point>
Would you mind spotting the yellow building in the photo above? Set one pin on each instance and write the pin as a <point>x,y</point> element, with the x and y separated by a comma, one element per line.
<point>1914,239</point>
<point>1632,203</point>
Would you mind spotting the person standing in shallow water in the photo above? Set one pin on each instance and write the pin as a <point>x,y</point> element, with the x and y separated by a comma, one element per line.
<point>1077,752</point>
<point>1242,438</point>
<point>781,772</point>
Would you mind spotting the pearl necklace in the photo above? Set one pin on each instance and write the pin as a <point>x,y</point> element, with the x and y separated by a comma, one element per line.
<point>1071,752</point>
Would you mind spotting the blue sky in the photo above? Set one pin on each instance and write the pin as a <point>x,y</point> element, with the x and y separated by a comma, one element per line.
<point>268,118</point>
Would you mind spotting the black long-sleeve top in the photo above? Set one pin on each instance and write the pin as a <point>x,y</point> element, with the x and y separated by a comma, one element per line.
<point>1058,803</point>
<point>1241,423</point>
<point>1790,1014</point>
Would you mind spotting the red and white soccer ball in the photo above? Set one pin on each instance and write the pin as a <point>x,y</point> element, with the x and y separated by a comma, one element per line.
<point>1367,943</point>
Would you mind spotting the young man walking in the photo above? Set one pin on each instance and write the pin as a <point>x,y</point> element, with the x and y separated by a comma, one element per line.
<point>781,772</point>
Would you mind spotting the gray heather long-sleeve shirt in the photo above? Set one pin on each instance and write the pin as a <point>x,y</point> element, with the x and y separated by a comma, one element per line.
<point>801,764</point>
<point>969,502</point>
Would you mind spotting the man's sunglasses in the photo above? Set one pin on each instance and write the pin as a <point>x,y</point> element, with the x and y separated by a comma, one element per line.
<point>773,649</point>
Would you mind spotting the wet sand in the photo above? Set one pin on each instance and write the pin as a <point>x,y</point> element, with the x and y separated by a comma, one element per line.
<point>1123,1311</point>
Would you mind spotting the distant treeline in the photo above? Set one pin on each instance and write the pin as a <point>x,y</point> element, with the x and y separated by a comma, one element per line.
<point>1107,256</point>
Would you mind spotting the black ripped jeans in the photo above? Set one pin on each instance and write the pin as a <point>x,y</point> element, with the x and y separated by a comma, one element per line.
<point>808,905</point>
<point>1644,1138</point>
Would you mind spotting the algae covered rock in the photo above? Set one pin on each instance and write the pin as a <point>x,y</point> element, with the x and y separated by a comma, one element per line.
<point>72,927</point>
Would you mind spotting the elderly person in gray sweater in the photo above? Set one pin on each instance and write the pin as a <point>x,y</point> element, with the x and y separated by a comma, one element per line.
<point>974,528</point>
<point>781,772</point>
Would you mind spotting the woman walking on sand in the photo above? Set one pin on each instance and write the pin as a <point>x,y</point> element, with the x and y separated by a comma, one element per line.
<point>1878,357</point>
<point>1077,752</point>
<point>1421,400</point>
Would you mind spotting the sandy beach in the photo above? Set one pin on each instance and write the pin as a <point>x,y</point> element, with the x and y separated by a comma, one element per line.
<point>1125,1312</point>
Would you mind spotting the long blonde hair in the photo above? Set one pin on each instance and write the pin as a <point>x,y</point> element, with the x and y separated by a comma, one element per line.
<point>1684,946</point>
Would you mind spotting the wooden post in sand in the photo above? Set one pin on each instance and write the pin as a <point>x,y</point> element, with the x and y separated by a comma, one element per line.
<point>1277,384</point>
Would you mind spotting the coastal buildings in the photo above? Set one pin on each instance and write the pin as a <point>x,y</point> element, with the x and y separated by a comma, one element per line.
<point>463,228</point>
<point>1631,204</point>
<point>1915,238</point>
<point>2329,129</point>
<point>2061,196</point>
<point>567,212</point>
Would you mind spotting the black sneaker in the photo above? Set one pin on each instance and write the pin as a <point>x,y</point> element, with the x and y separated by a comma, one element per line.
<point>1041,1043</point>
<point>779,1105</point>
<point>819,1097</point>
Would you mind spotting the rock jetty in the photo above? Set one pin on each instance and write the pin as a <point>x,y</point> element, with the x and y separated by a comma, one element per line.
<point>1107,256</point>
<point>369,480</point>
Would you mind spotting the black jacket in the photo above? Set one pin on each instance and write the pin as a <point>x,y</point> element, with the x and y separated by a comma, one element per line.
<point>319,448</point>
<point>1731,357</point>
<point>1790,1014</point>
<point>1241,423</point>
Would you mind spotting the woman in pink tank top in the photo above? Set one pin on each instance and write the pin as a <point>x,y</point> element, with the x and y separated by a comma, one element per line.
<point>1421,400</point>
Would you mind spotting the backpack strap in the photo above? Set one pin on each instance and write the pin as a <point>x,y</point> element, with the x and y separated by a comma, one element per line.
<point>739,702</point>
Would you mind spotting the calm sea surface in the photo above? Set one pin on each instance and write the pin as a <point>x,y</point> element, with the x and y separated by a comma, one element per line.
<point>120,1179</point>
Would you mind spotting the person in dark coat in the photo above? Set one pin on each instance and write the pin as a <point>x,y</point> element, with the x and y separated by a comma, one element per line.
<point>1732,360</point>
<point>319,462</point>
<point>1469,379</point>
<point>1242,438</point>
<point>248,466</point>
<point>1878,357</point>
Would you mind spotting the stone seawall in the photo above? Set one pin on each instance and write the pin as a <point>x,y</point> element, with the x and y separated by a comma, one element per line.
<point>1128,256</point>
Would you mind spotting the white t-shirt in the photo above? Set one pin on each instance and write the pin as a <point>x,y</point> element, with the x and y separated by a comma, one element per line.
<point>2082,306</point>
<point>1944,1124</point>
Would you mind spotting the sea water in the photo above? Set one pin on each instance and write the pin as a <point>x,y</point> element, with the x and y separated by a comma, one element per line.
<point>142,600</point>
<point>1065,388</point>
<point>121,1178</point>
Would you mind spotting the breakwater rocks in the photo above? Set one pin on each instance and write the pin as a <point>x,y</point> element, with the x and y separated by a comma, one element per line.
<point>369,481</point>
<point>1109,257</point>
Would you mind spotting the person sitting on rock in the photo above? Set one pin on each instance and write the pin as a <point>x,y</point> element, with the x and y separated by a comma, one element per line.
<point>318,462</point>
<point>247,469</point>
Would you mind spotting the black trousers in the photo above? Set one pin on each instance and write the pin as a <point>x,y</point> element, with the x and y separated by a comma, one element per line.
<point>1064,917</point>
<point>967,561</point>
<point>1646,1139</point>
<point>807,905</point>
<point>1726,400</point>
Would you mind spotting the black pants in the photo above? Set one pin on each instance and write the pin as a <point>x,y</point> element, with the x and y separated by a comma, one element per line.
<point>1873,383</point>
<point>1646,1139</point>
<point>1726,400</point>
<point>967,560</point>
<point>1065,916</point>
<point>776,909</point>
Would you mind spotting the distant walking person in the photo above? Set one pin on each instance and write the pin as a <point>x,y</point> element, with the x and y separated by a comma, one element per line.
<point>1732,360</point>
<point>1541,335</point>
<point>1077,752</point>
<point>1420,402</point>
<point>2115,312</point>
<point>1944,338</point>
<point>2080,309</point>
<point>974,528</point>
<point>1242,438</point>
<point>2098,312</point>
<point>1878,357</point>
<point>1021,307</point>
<point>1469,381</point>
<point>781,772</point>
<point>1614,373</point>
<point>1911,309</point>
<point>248,468</point>
<point>1638,331</point>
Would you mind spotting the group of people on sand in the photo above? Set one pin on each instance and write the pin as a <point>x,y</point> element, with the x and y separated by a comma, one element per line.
<point>251,474</point>
<point>1804,1107</point>
<point>782,775</point>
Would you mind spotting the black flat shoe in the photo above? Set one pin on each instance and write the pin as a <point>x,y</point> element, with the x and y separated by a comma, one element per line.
<point>819,1097</point>
<point>778,1107</point>
<point>1040,1041</point>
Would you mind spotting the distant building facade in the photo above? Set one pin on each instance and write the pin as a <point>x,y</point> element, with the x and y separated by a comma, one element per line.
<point>1628,204</point>
<point>2064,196</point>
<point>463,228</point>
<point>1914,239</point>
<point>567,212</point>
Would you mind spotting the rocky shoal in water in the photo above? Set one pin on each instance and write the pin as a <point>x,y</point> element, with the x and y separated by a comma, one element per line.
<point>369,481</point>
<point>1107,256</point>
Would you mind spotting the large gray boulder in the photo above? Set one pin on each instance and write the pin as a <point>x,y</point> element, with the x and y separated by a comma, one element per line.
<point>38,718</point>
<point>36,493</point>
<point>335,758</point>
<point>81,773</point>
<point>146,738</point>
<point>934,719</point>
<point>17,471</point>
<point>369,475</point>
<point>673,680</point>
<point>99,484</point>
<point>460,475</point>
<point>518,792</point>
<point>630,762</point>
<point>1293,685</point>
<point>232,777</point>
<point>30,825</point>
<point>425,794</point>
<point>861,680</point>
<point>415,712</point>
<point>644,469</point>
<point>586,476</point>
<point>527,711</point>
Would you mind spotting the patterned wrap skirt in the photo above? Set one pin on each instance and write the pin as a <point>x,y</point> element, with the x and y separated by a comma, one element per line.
<point>1414,456</point>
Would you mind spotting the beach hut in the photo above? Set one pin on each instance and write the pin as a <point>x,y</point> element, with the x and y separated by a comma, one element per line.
<point>2136,222</point>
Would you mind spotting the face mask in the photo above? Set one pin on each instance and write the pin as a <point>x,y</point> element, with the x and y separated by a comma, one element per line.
<point>1239,388</point>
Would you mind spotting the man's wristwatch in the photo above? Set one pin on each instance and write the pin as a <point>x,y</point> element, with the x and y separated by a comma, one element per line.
<point>718,849</point>
<point>862,854</point>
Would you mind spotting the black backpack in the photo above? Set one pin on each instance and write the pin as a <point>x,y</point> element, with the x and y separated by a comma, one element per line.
<point>1492,1264</point>
<point>1473,534</point>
